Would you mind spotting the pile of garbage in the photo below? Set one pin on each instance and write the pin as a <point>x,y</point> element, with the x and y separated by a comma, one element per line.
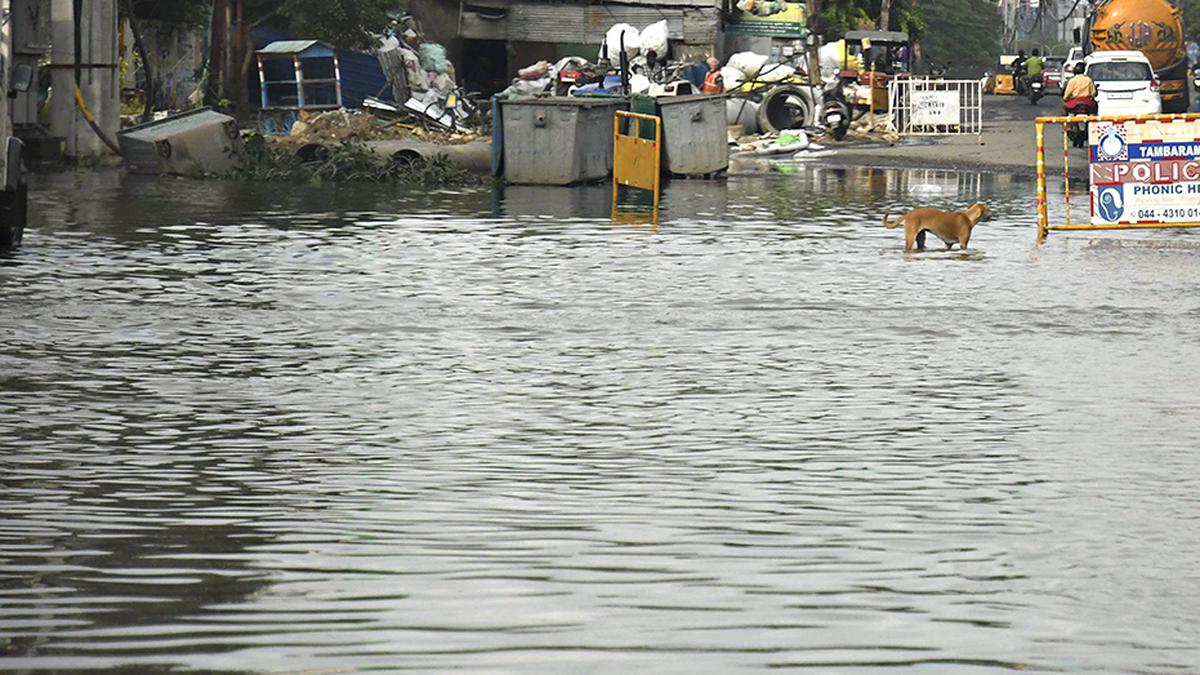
<point>423,80</point>
<point>874,128</point>
<point>335,126</point>
<point>632,62</point>
<point>791,142</point>
<point>629,61</point>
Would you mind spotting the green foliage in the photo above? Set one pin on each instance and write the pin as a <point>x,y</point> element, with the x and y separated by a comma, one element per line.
<point>191,12</point>
<point>1191,16</point>
<point>963,33</point>
<point>843,15</point>
<point>352,24</point>
<point>839,16</point>
<point>906,16</point>
<point>344,23</point>
<point>349,161</point>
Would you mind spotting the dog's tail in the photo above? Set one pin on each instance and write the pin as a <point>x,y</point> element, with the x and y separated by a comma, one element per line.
<point>892,223</point>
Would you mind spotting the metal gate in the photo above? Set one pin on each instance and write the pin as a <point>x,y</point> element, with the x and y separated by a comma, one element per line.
<point>637,159</point>
<point>926,107</point>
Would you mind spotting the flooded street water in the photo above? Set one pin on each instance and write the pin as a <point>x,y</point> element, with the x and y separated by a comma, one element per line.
<point>272,428</point>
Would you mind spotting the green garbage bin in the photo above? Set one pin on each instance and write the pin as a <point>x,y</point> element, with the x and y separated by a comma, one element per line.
<point>645,105</point>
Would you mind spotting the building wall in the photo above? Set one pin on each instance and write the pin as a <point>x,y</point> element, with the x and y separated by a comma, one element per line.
<point>585,23</point>
<point>533,30</point>
<point>438,20</point>
<point>176,55</point>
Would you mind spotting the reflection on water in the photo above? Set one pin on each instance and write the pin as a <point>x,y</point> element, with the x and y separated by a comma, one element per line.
<point>257,428</point>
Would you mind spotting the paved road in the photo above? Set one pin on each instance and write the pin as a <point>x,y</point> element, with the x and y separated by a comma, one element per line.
<point>1007,142</point>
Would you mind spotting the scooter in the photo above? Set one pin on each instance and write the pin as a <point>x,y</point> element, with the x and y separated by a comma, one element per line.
<point>835,111</point>
<point>1078,131</point>
<point>1037,89</point>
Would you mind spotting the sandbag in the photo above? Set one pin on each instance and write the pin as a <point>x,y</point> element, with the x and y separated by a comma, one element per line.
<point>748,62</point>
<point>742,112</point>
<point>655,37</point>
<point>433,58</point>
<point>832,57</point>
<point>776,72</point>
<point>526,88</point>
<point>612,39</point>
<point>569,63</point>
<point>732,77</point>
<point>535,72</point>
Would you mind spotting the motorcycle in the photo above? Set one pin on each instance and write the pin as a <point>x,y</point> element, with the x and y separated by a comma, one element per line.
<point>835,111</point>
<point>1077,131</point>
<point>1037,88</point>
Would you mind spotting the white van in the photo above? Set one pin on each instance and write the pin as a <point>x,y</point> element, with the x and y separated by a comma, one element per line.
<point>1125,83</point>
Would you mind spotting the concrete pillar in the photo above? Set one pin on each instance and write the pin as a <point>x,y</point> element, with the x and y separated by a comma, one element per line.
<point>5,60</point>
<point>98,79</point>
<point>31,38</point>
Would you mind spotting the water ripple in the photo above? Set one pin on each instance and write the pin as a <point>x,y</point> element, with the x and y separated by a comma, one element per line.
<point>314,429</point>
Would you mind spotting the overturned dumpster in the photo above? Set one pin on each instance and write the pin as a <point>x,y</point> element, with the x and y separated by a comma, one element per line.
<point>558,140</point>
<point>193,143</point>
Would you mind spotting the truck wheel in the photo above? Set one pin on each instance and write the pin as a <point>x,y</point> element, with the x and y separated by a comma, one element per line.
<point>13,214</point>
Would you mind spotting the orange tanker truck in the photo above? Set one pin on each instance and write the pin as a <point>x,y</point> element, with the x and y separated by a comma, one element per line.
<point>1152,27</point>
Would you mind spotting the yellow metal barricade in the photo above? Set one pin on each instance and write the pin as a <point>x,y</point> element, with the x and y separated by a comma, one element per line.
<point>1043,219</point>
<point>637,158</point>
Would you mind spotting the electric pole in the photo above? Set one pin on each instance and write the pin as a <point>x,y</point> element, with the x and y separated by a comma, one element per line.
<point>95,36</point>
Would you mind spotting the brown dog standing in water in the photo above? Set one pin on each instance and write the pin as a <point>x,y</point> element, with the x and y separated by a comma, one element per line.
<point>951,227</point>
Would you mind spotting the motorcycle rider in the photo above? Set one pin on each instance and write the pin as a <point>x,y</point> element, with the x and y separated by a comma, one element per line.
<point>1080,92</point>
<point>1079,98</point>
<point>1034,67</point>
<point>1018,64</point>
<point>1018,72</point>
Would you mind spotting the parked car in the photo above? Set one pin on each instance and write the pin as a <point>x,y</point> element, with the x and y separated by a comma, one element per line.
<point>1125,83</point>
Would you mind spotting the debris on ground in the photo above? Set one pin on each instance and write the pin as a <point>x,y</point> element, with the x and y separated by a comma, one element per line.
<point>348,161</point>
<point>424,84</point>
<point>334,126</point>
<point>874,128</point>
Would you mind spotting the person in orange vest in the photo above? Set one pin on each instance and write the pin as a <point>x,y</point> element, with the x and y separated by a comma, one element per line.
<point>713,82</point>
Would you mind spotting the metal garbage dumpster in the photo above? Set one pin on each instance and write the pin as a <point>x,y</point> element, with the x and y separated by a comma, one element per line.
<point>558,140</point>
<point>191,143</point>
<point>694,140</point>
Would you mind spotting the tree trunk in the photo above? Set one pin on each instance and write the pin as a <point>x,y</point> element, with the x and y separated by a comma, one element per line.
<point>216,50</point>
<point>814,29</point>
<point>241,79</point>
<point>885,14</point>
<point>243,61</point>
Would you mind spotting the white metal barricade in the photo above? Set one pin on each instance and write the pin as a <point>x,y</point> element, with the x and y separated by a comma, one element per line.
<point>928,107</point>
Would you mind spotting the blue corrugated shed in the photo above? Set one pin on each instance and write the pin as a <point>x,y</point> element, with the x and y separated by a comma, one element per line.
<point>362,76</point>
